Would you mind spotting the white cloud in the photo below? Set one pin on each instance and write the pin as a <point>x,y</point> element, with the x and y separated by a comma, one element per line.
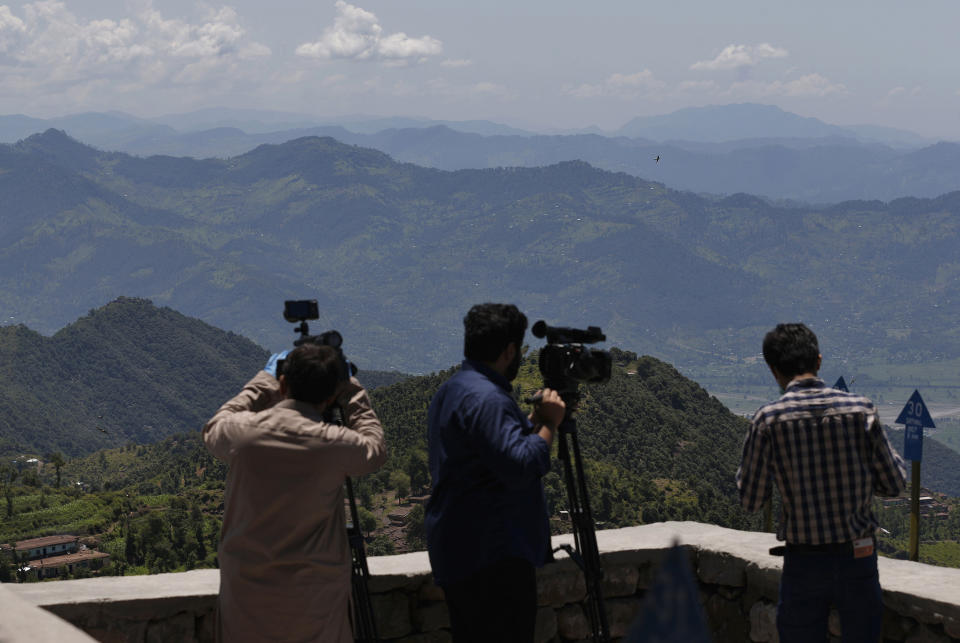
<point>618,85</point>
<point>808,85</point>
<point>357,35</point>
<point>12,29</point>
<point>736,56</point>
<point>144,49</point>
<point>456,62</point>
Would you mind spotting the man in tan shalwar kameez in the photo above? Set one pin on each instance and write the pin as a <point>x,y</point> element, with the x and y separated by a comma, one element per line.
<point>284,556</point>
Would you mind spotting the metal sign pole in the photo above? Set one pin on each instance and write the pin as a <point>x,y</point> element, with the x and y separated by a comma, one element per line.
<point>914,417</point>
<point>915,513</point>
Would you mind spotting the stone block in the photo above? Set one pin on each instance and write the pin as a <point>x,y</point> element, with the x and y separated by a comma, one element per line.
<point>546,628</point>
<point>620,580</point>
<point>726,619</point>
<point>718,568</point>
<point>621,613</point>
<point>894,626</point>
<point>432,616</point>
<point>180,628</point>
<point>763,623</point>
<point>558,585</point>
<point>392,614</point>
<point>572,623</point>
<point>762,582</point>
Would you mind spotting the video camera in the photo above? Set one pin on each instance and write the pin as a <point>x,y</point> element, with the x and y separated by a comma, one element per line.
<point>302,310</point>
<point>566,362</point>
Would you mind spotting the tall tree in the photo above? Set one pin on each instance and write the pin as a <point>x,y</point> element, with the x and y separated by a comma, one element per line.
<point>57,460</point>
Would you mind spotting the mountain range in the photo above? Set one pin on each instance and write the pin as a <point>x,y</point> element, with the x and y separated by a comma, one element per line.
<point>396,253</point>
<point>724,149</point>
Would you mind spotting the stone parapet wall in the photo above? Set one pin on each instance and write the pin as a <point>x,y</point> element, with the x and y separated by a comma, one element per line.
<point>738,589</point>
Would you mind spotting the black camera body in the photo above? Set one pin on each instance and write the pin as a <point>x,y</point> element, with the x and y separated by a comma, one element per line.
<point>304,310</point>
<point>565,362</point>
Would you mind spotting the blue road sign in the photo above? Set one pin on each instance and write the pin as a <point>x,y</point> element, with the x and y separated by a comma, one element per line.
<point>915,416</point>
<point>841,385</point>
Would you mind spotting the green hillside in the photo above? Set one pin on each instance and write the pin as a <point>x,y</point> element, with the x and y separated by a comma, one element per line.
<point>127,372</point>
<point>396,253</point>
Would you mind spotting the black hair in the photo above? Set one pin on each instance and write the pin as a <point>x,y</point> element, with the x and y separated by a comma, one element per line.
<point>312,372</point>
<point>489,329</point>
<point>792,349</point>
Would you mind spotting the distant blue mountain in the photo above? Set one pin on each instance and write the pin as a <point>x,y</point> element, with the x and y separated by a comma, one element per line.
<point>716,123</point>
<point>757,149</point>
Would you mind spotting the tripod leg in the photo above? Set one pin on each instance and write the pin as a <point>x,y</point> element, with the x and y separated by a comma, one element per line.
<point>364,626</point>
<point>584,534</point>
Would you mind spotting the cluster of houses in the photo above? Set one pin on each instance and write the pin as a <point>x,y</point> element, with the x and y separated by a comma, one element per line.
<point>52,556</point>
<point>931,503</point>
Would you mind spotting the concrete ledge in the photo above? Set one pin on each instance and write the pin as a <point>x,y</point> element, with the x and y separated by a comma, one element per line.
<point>21,620</point>
<point>739,585</point>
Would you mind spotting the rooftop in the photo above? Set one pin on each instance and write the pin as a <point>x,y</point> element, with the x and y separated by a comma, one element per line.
<point>46,541</point>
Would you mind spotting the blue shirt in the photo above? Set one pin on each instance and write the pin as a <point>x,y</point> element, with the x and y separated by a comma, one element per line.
<point>487,501</point>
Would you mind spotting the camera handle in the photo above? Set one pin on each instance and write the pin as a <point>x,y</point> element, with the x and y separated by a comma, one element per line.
<point>584,552</point>
<point>361,607</point>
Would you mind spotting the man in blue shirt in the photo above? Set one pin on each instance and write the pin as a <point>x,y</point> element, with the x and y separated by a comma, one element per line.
<point>486,521</point>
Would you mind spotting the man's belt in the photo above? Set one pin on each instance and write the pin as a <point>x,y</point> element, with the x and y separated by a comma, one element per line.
<point>859,548</point>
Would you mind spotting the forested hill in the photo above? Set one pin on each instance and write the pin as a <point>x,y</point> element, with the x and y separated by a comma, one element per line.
<point>397,253</point>
<point>127,372</point>
<point>657,445</point>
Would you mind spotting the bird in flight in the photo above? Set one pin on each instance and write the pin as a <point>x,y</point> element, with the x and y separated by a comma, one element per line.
<point>657,159</point>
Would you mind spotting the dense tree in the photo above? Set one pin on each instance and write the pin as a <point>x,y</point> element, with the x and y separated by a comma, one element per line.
<point>400,482</point>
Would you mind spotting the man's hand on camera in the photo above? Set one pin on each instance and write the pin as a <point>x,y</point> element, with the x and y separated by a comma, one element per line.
<point>548,413</point>
<point>271,366</point>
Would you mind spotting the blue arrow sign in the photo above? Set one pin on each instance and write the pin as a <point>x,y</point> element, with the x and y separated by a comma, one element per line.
<point>915,416</point>
<point>841,385</point>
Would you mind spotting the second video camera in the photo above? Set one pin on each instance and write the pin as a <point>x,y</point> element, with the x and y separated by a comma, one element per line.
<point>566,362</point>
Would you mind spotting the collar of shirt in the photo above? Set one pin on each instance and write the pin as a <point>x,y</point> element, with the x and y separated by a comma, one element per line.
<point>805,382</point>
<point>489,373</point>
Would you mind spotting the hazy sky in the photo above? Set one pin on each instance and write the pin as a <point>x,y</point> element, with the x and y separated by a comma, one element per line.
<point>537,64</point>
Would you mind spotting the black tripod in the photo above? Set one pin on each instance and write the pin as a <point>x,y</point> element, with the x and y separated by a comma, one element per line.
<point>584,552</point>
<point>364,626</point>
<point>361,608</point>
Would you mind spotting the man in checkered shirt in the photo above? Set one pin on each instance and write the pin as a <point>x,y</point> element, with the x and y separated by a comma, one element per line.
<point>828,454</point>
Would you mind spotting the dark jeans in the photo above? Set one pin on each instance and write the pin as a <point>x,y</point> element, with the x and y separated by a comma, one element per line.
<point>812,582</point>
<point>498,603</point>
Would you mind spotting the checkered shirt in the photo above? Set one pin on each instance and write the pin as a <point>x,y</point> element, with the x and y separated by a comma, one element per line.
<point>828,454</point>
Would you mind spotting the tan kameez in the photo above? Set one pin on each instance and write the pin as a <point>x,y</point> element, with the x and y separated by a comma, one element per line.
<point>284,556</point>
